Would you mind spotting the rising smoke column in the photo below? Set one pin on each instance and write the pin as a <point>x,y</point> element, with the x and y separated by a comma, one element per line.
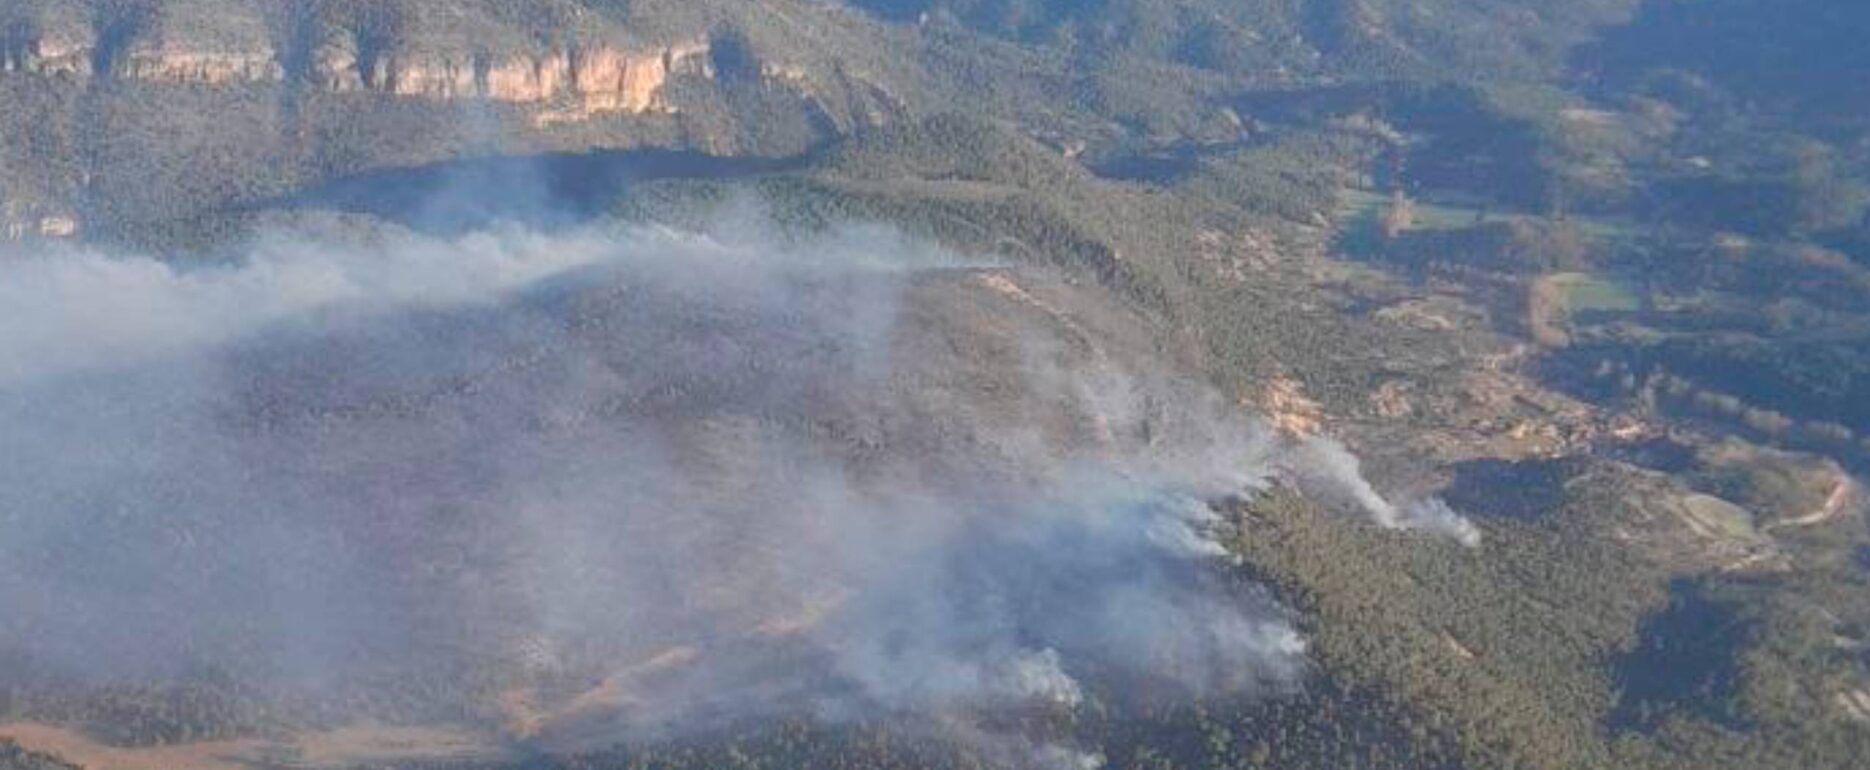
<point>724,479</point>
<point>1326,468</point>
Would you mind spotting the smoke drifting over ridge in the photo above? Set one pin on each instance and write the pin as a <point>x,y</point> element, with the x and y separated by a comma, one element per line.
<point>720,478</point>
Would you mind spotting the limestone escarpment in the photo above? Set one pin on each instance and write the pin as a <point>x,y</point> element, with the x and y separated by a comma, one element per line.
<point>184,65</point>
<point>566,84</point>
<point>204,103</point>
<point>18,225</point>
<point>603,77</point>
<point>438,51</point>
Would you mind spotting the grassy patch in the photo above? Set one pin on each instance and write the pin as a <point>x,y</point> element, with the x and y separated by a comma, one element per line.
<point>1594,293</point>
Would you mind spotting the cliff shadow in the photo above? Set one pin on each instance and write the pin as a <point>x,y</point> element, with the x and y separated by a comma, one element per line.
<point>546,191</point>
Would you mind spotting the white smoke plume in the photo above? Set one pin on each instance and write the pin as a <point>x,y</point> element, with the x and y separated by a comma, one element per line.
<point>1327,468</point>
<point>724,476</point>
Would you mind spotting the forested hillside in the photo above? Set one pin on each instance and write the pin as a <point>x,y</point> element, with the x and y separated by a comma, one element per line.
<point>1592,276</point>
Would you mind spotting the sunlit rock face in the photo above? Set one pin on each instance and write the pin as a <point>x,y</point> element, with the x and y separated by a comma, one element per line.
<point>428,56</point>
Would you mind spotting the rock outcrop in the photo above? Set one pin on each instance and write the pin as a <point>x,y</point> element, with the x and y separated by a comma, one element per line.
<point>565,85</point>
<point>255,97</point>
<point>186,65</point>
<point>20,221</point>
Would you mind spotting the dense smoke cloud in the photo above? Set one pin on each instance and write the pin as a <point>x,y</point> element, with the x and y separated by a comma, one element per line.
<point>720,476</point>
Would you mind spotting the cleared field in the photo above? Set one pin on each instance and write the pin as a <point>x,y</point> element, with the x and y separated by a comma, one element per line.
<point>1361,209</point>
<point>1591,292</point>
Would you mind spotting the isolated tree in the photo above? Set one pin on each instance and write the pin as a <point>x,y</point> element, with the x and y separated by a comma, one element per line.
<point>116,25</point>
<point>19,35</point>
<point>1398,216</point>
<point>297,29</point>
<point>732,55</point>
<point>379,30</point>
<point>1823,198</point>
<point>1550,244</point>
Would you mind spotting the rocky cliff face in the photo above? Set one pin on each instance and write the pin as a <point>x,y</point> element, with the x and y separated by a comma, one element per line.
<point>566,84</point>
<point>185,65</point>
<point>549,88</point>
<point>101,114</point>
<point>109,123</point>
<point>16,224</point>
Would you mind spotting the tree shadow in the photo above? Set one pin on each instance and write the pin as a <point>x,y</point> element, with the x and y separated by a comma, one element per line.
<point>1685,663</point>
<point>1525,489</point>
